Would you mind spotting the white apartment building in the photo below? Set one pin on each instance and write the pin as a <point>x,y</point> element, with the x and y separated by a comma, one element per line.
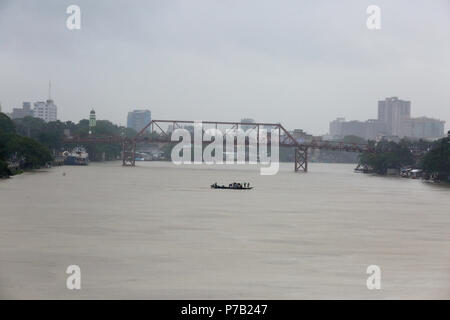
<point>46,111</point>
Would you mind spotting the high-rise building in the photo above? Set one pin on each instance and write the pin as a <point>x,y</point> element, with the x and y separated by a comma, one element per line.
<point>336,128</point>
<point>23,112</point>
<point>138,119</point>
<point>393,111</point>
<point>46,111</point>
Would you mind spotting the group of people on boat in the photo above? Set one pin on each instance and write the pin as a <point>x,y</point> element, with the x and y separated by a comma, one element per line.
<point>237,185</point>
<point>234,185</point>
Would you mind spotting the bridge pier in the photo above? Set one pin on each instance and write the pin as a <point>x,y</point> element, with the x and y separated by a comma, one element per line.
<point>301,159</point>
<point>128,152</point>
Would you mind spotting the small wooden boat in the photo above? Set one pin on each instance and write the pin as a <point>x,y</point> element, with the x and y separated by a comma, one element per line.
<point>231,187</point>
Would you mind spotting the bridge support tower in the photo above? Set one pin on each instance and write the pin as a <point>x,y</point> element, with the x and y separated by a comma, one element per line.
<point>128,152</point>
<point>301,159</point>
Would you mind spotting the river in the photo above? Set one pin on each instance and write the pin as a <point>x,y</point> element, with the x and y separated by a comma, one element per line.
<point>158,231</point>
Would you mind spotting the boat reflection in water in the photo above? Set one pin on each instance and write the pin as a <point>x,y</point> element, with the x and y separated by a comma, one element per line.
<point>77,157</point>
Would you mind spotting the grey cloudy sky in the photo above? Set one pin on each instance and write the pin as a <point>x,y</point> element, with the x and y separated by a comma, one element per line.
<point>301,63</point>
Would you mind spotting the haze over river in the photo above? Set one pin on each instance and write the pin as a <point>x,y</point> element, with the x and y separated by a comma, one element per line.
<point>158,231</point>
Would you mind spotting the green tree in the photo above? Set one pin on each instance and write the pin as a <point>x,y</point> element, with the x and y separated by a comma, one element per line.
<point>4,170</point>
<point>30,153</point>
<point>29,126</point>
<point>387,154</point>
<point>354,139</point>
<point>13,147</point>
<point>6,125</point>
<point>437,160</point>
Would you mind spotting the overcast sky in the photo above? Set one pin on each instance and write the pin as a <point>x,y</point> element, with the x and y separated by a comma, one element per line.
<point>301,63</point>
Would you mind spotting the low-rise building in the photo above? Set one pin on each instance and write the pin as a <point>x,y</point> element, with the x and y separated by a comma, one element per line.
<point>25,111</point>
<point>245,127</point>
<point>423,128</point>
<point>301,136</point>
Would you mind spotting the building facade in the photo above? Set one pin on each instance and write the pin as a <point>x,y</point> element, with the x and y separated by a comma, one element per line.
<point>25,111</point>
<point>374,128</point>
<point>393,112</point>
<point>138,119</point>
<point>354,128</point>
<point>423,127</point>
<point>46,111</point>
<point>367,130</point>
<point>301,136</point>
<point>336,128</point>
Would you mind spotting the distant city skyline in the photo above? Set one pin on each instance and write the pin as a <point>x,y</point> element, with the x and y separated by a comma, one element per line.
<point>299,63</point>
<point>394,120</point>
<point>40,107</point>
<point>45,110</point>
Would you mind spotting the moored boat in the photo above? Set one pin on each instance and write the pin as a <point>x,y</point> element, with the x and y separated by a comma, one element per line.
<point>77,157</point>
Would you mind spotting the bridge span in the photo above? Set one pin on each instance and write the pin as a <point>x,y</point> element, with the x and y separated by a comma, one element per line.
<point>160,131</point>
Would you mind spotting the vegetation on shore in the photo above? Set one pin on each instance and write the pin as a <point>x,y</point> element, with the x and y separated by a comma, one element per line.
<point>387,155</point>
<point>31,142</point>
<point>14,148</point>
<point>52,135</point>
<point>436,162</point>
<point>432,157</point>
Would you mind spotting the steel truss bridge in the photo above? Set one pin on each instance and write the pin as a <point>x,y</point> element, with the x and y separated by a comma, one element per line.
<point>156,132</point>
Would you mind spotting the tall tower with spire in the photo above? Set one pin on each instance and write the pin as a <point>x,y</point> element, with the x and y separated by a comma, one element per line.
<point>47,110</point>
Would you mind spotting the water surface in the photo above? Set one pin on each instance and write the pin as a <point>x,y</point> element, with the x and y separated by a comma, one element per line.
<point>158,231</point>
